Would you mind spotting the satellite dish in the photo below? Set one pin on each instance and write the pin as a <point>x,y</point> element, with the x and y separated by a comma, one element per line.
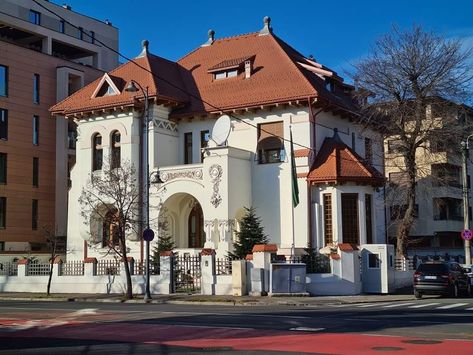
<point>221,130</point>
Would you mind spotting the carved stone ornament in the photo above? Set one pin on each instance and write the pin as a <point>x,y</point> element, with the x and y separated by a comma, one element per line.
<point>215,172</point>
<point>195,174</point>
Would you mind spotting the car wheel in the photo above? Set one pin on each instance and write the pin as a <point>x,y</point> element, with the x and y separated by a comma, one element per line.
<point>417,295</point>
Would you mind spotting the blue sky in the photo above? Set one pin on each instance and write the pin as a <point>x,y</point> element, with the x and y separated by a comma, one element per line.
<point>336,33</point>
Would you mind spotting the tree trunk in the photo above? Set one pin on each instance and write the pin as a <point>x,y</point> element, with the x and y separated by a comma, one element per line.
<point>407,221</point>
<point>50,277</point>
<point>129,287</point>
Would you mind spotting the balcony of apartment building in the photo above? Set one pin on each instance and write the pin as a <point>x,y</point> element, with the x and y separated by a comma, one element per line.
<point>42,33</point>
<point>447,214</point>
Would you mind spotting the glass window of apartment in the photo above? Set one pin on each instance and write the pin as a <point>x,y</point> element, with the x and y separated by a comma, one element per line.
<point>2,246</point>
<point>398,211</point>
<point>270,144</point>
<point>36,88</point>
<point>446,175</point>
<point>3,168</point>
<point>92,37</point>
<point>204,142</point>
<point>3,80</point>
<point>3,124</point>
<point>36,130</point>
<point>62,26</point>
<point>35,172</point>
<point>369,218</point>
<point>448,209</point>
<point>368,151</point>
<point>188,148</point>
<point>97,152</point>
<point>350,227</point>
<point>3,212</point>
<point>394,146</point>
<point>116,154</point>
<point>35,17</point>
<point>34,215</point>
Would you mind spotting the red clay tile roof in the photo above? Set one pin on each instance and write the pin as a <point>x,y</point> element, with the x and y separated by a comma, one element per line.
<point>227,64</point>
<point>277,77</point>
<point>337,163</point>
<point>169,71</point>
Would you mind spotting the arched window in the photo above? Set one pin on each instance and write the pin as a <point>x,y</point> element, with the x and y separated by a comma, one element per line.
<point>97,152</point>
<point>116,155</point>
<point>110,229</point>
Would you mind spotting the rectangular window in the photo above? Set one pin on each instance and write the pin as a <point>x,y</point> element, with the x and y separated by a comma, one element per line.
<point>398,211</point>
<point>36,130</point>
<point>92,37</point>
<point>3,212</point>
<point>3,168</point>
<point>204,142</point>
<point>374,262</point>
<point>188,148</point>
<point>394,146</point>
<point>353,141</point>
<point>350,228</point>
<point>3,124</point>
<point>34,215</point>
<point>328,229</point>
<point>36,88</point>
<point>35,17</point>
<point>2,246</point>
<point>446,175</point>
<point>369,219</point>
<point>448,209</point>
<point>36,172</point>
<point>368,151</point>
<point>270,144</point>
<point>62,26</point>
<point>3,80</point>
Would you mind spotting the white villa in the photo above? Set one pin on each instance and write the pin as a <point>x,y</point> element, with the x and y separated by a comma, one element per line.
<point>266,88</point>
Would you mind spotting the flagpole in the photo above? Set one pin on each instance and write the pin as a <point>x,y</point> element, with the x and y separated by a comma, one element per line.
<point>293,244</point>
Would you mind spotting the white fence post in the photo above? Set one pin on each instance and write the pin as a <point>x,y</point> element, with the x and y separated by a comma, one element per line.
<point>165,266</point>
<point>90,267</point>
<point>208,272</point>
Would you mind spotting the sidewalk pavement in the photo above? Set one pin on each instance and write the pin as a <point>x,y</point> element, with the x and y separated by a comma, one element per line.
<point>210,300</point>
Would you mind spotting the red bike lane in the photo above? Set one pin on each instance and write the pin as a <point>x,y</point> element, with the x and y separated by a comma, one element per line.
<point>233,338</point>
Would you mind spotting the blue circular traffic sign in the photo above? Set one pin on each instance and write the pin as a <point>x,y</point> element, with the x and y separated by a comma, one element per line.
<point>148,234</point>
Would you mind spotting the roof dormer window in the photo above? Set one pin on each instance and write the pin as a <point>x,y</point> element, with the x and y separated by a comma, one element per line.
<point>226,74</point>
<point>329,85</point>
<point>106,87</point>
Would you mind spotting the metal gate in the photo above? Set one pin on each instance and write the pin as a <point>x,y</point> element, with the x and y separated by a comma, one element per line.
<point>187,273</point>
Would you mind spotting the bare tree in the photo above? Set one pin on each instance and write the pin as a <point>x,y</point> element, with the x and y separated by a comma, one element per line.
<point>110,205</point>
<point>53,244</point>
<point>412,85</point>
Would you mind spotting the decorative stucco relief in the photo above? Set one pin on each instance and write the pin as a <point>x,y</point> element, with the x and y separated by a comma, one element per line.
<point>215,172</point>
<point>195,174</point>
<point>166,125</point>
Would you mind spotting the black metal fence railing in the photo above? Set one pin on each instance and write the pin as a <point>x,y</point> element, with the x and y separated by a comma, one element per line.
<point>223,266</point>
<point>72,268</point>
<point>108,267</point>
<point>315,264</point>
<point>37,269</point>
<point>9,269</point>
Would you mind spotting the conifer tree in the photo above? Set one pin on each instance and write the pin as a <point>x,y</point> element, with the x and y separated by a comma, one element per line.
<point>251,233</point>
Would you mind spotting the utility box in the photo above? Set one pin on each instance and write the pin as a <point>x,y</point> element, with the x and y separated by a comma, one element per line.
<point>287,279</point>
<point>377,265</point>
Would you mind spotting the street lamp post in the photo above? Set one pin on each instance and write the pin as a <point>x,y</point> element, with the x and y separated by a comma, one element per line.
<point>132,87</point>
<point>466,213</point>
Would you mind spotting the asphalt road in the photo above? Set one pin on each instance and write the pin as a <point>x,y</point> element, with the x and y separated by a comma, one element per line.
<point>431,325</point>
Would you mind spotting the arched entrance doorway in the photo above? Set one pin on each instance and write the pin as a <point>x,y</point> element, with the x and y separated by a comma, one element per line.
<point>181,216</point>
<point>195,227</point>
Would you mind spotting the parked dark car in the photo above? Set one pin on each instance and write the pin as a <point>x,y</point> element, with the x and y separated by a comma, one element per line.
<point>441,278</point>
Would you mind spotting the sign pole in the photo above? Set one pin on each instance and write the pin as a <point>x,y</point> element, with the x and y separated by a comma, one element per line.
<point>466,214</point>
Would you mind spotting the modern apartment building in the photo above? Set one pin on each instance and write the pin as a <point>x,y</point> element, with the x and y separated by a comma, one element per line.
<point>43,59</point>
<point>439,217</point>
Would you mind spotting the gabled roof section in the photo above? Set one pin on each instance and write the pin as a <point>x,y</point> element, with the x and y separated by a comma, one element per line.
<point>337,163</point>
<point>161,86</point>
<point>105,83</point>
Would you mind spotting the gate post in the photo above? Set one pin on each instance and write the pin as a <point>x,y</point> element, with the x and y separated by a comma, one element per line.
<point>165,272</point>
<point>208,272</point>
